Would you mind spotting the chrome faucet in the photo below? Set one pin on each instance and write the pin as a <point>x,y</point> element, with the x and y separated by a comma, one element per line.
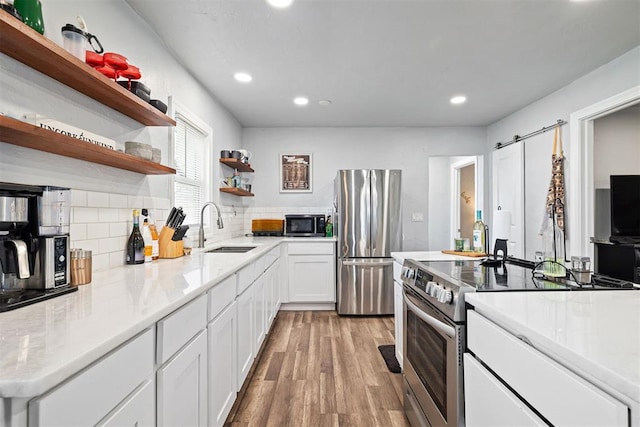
<point>201,238</point>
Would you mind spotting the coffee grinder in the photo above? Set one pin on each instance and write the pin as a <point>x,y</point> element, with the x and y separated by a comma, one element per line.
<point>34,243</point>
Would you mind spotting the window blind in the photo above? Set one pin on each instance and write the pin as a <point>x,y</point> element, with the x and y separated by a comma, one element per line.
<point>189,183</point>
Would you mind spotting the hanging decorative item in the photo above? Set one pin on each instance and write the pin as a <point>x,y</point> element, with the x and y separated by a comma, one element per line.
<point>555,204</point>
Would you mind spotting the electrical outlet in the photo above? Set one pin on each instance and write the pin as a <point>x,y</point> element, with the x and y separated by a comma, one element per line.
<point>417,217</point>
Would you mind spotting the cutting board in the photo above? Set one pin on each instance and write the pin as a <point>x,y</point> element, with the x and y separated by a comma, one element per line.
<point>461,253</point>
<point>267,225</point>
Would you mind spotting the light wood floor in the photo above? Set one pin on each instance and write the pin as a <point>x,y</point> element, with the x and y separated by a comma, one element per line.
<point>321,369</point>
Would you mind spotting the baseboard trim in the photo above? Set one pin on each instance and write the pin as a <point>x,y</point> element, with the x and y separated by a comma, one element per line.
<point>308,306</point>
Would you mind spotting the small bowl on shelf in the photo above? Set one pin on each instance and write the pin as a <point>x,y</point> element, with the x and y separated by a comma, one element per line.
<point>138,149</point>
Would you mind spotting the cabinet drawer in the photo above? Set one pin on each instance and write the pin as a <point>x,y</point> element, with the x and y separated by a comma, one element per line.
<point>221,295</point>
<point>179,327</point>
<point>246,277</point>
<point>480,387</point>
<point>88,397</point>
<point>311,248</point>
<point>558,394</point>
<point>139,410</point>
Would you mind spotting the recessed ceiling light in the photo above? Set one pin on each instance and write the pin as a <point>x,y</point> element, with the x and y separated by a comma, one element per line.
<point>301,100</point>
<point>324,102</point>
<point>460,99</point>
<point>280,4</point>
<point>243,77</point>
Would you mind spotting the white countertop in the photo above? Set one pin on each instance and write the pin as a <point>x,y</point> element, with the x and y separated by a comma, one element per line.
<point>430,256</point>
<point>44,343</point>
<point>595,334</point>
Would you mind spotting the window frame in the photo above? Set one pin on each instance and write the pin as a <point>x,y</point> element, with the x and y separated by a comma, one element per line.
<point>179,111</point>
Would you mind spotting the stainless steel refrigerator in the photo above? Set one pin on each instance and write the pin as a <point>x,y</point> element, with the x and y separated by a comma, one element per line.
<point>368,226</point>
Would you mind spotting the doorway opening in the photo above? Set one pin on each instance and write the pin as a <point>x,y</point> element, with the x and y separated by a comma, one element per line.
<point>581,197</point>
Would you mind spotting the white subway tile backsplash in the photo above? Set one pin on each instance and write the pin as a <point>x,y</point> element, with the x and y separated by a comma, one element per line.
<point>112,244</point>
<point>98,231</point>
<point>78,231</point>
<point>78,198</point>
<point>88,245</point>
<point>118,201</point>
<point>116,259</point>
<point>161,203</point>
<point>108,215</point>
<point>118,229</point>
<point>100,261</point>
<point>136,202</point>
<point>85,215</point>
<point>97,200</point>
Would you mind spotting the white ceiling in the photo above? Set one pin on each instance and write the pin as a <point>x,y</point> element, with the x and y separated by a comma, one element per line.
<point>390,62</point>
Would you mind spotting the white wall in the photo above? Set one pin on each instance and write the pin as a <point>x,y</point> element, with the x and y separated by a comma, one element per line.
<point>408,149</point>
<point>616,145</point>
<point>617,76</point>
<point>119,30</point>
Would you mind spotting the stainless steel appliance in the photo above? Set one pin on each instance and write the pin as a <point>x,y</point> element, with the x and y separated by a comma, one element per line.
<point>435,324</point>
<point>34,244</point>
<point>368,226</point>
<point>305,225</point>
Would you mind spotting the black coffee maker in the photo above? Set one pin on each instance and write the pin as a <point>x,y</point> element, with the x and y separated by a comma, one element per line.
<point>34,243</point>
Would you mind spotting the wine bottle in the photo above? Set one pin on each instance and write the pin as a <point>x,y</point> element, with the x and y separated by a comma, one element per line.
<point>478,233</point>
<point>135,244</point>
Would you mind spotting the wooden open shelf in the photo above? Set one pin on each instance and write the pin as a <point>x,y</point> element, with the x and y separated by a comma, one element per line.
<point>236,164</point>
<point>16,132</point>
<point>236,191</point>
<point>24,44</point>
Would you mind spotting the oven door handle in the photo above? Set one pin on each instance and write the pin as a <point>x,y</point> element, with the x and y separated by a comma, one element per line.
<point>432,321</point>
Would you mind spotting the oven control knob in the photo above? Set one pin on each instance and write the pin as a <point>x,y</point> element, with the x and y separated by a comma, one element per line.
<point>446,296</point>
<point>411,273</point>
<point>435,290</point>
<point>428,287</point>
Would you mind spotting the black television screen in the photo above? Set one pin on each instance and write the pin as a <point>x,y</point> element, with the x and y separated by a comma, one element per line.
<point>625,206</point>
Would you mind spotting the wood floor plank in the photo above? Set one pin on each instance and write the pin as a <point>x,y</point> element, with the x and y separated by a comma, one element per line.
<point>321,369</point>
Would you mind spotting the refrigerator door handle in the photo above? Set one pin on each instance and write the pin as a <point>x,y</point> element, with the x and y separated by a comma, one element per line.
<point>367,263</point>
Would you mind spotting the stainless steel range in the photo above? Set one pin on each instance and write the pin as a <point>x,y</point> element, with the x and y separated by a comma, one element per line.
<point>435,322</point>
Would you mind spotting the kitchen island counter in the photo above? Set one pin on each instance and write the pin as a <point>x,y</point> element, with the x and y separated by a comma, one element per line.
<point>593,334</point>
<point>45,343</point>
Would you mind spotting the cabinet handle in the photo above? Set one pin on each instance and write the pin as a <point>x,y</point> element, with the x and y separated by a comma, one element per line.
<point>367,263</point>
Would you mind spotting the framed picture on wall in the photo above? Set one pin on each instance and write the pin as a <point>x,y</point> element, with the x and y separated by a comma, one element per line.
<point>295,173</point>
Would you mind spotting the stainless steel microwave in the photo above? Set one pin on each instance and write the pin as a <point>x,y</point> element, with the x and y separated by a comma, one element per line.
<point>309,225</point>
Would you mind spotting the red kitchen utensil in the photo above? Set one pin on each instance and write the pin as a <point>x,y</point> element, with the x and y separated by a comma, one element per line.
<point>107,71</point>
<point>116,61</point>
<point>94,59</point>
<point>131,73</point>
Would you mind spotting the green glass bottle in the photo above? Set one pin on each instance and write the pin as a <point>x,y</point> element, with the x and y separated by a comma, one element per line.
<point>328,227</point>
<point>478,233</point>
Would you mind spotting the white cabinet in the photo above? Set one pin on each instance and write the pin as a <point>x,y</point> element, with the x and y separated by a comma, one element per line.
<point>139,410</point>
<point>222,364</point>
<point>488,402</point>
<point>259,314</point>
<point>312,272</point>
<point>182,386</point>
<point>182,379</point>
<point>100,389</point>
<point>559,395</point>
<point>244,335</point>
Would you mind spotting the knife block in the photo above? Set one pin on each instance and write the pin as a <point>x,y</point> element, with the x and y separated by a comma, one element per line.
<point>167,248</point>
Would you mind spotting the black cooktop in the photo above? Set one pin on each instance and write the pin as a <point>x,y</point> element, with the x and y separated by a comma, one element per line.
<point>16,298</point>
<point>517,276</point>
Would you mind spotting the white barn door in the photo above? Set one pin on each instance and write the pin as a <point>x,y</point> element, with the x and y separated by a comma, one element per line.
<point>508,193</point>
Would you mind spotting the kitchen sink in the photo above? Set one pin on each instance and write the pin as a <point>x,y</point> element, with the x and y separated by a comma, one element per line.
<point>231,249</point>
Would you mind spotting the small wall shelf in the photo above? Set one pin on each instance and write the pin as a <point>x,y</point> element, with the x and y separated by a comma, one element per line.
<point>236,191</point>
<point>236,164</point>
<point>38,52</point>
<point>16,132</point>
